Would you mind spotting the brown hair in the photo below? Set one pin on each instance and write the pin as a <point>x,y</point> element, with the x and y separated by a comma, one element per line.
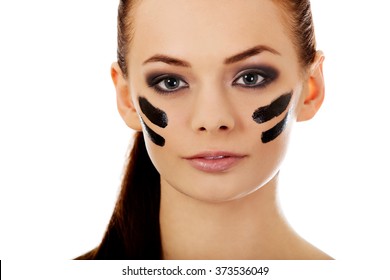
<point>299,22</point>
<point>125,32</point>
<point>134,231</point>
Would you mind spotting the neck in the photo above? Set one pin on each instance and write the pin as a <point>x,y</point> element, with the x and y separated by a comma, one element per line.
<point>248,228</point>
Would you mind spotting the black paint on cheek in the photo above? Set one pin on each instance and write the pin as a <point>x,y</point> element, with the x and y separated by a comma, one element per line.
<point>276,108</point>
<point>155,115</point>
<point>154,137</point>
<point>271,134</point>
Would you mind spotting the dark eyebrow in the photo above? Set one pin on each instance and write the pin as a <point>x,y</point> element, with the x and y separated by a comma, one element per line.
<point>250,52</point>
<point>167,60</point>
<point>233,59</point>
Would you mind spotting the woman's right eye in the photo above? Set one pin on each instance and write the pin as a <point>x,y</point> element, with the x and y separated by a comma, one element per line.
<point>168,84</point>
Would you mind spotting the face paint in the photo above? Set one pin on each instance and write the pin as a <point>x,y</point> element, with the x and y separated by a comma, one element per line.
<point>276,108</point>
<point>267,113</point>
<point>155,115</point>
<point>271,134</point>
<point>156,138</point>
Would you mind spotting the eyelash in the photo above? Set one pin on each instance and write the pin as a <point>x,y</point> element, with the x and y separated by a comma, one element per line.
<point>268,75</point>
<point>155,81</point>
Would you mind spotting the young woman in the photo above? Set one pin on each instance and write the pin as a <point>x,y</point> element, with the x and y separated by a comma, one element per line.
<point>212,88</point>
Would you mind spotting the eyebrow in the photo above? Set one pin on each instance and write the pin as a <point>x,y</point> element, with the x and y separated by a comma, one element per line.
<point>168,60</point>
<point>249,53</point>
<point>230,60</point>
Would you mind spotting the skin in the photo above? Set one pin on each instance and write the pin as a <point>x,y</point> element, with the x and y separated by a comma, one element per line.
<point>232,214</point>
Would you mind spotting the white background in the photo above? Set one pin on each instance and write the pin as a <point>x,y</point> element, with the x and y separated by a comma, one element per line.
<point>63,144</point>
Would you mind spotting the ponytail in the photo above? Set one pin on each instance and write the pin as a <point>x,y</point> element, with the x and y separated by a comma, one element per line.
<point>134,229</point>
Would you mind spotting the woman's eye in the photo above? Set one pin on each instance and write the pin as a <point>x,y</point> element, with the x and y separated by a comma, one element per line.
<point>169,84</point>
<point>251,79</point>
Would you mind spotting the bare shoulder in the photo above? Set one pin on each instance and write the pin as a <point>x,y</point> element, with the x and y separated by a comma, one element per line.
<point>307,251</point>
<point>317,254</point>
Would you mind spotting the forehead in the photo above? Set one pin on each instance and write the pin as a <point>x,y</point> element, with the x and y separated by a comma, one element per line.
<point>208,28</point>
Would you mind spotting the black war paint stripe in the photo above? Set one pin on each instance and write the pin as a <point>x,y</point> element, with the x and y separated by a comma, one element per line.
<point>275,109</point>
<point>154,137</point>
<point>154,114</point>
<point>271,134</point>
<point>267,113</point>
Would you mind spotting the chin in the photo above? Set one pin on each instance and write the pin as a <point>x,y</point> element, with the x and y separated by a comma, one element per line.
<point>212,194</point>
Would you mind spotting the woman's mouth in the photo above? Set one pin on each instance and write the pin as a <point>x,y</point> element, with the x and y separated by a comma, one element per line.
<point>214,162</point>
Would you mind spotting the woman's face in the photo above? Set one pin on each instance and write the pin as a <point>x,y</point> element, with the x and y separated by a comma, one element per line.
<point>216,85</point>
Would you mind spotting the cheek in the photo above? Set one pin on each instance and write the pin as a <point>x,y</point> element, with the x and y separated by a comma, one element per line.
<point>272,133</point>
<point>267,113</point>
<point>268,157</point>
<point>154,115</point>
<point>153,136</point>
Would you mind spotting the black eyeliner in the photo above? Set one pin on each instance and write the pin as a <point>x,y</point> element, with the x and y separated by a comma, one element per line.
<point>269,73</point>
<point>153,80</point>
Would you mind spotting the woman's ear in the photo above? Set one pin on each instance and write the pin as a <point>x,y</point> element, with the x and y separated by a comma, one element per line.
<point>313,91</point>
<point>123,98</point>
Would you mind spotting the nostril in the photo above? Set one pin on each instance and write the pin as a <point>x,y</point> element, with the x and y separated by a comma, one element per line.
<point>220,128</point>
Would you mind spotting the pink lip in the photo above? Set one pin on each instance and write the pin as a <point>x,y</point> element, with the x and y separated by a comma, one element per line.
<point>214,161</point>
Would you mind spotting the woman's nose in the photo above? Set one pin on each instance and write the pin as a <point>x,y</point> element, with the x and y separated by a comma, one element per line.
<point>212,112</point>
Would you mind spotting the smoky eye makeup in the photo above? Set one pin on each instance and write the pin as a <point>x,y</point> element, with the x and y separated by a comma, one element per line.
<point>166,83</point>
<point>255,77</point>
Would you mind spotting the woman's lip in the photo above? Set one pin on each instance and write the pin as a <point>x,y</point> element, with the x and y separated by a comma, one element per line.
<point>216,154</point>
<point>214,161</point>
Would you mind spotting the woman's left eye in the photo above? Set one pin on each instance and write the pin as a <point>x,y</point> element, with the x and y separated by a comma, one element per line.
<point>250,79</point>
